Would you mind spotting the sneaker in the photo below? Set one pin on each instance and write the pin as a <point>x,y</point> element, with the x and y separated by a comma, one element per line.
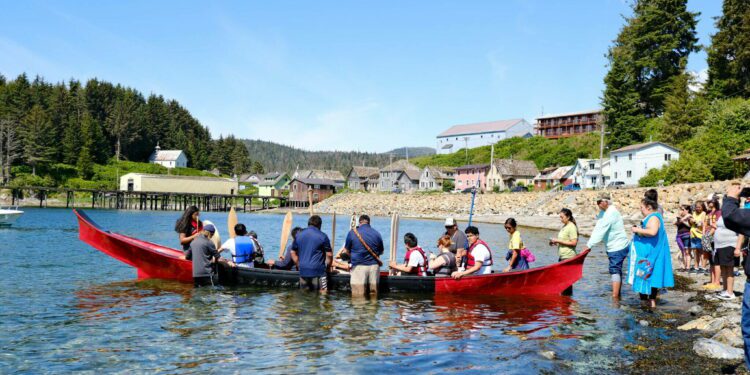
<point>736,273</point>
<point>691,270</point>
<point>706,272</point>
<point>726,296</point>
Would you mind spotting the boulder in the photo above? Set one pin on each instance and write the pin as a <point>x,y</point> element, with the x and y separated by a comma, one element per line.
<point>695,310</point>
<point>730,336</point>
<point>713,349</point>
<point>704,323</point>
<point>547,354</point>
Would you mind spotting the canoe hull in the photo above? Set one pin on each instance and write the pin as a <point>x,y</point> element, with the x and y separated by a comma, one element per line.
<point>156,261</point>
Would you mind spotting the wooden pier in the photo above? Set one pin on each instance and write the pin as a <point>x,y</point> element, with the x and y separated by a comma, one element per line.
<point>145,200</point>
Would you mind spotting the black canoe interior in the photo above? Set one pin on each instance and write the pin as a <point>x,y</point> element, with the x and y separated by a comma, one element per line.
<point>238,276</point>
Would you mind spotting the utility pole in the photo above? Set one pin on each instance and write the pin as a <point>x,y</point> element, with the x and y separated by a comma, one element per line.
<point>466,148</point>
<point>601,150</point>
<point>492,160</point>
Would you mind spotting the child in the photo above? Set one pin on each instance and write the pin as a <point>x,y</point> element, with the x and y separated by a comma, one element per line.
<point>515,261</point>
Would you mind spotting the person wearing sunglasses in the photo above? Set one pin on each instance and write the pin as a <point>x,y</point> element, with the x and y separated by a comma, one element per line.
<point>516,262</point>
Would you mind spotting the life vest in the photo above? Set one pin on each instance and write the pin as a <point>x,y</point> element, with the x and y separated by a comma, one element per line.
<point>243,250</point>
<point>470,257</point>
<point>449,267</point>
<point>421,270</point>
<point>197,225</point>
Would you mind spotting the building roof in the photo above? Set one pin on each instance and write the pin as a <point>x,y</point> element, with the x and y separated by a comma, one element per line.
<point>440,172</point>
<point>316,181</point>
<point>399,165</point>
<point>327,174</point>
<point>511,167</point>
<point>173,177</point>
<point>641,146</point>
<point>569,114</point>
<point>165,155</point>
<point>413,174</point>
<point>246,177</point>
<point>365,172</point>
<point>472,166</point>
<point>556,174</point>
<point>481,127</point>
<point>272,179</point>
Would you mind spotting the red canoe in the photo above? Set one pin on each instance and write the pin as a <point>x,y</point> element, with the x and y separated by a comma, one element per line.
<point>156,261</point>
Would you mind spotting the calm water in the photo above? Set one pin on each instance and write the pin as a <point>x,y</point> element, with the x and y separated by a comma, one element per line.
<point>67,307</point>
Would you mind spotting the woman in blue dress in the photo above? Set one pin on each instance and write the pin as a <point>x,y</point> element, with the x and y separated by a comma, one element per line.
<point>652,268</point>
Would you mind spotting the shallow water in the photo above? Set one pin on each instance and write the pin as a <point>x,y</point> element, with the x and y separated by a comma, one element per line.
<point>67,307</point>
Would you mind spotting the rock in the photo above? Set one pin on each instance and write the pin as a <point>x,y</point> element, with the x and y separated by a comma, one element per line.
<point>695,310</point>
<point>704,323</point>
<point>732,337</point>
<point>730,306</point>
<point>643,323</point>
<point>713,349</point>
<point>547,354</point>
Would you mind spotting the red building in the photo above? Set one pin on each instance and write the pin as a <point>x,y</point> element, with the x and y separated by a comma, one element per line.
<point>568,124</point>
<point>321,189</point>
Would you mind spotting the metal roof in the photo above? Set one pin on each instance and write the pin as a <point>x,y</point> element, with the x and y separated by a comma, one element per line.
<point>640,146</point>
<point>480,127</point>
<point>165,155</point>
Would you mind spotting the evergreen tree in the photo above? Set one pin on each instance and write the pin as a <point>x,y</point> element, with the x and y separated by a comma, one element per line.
<point>37,138</point>
<point>729,54</point>
<point>85,164</point>
<point>684,111</point>
<point>651,49</point>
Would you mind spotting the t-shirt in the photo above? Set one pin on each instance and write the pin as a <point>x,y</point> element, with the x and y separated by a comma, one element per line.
<point>723,236</point>
<point>416,260</point>
<point>459,241</point>
<point>568,233</point>
<point>482,254</point>
<point>696,230</point>
<point>201,252</point>
<point>230,244</point>
<point>311,247</point>
<point>515,241</point>
<point>359,253</point>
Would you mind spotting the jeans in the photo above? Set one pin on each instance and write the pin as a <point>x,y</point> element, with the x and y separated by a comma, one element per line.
<point>746,322</point>
<point>616,258</point>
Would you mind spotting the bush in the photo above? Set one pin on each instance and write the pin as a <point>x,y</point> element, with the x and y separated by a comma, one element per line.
<point>24,179</point>
<point>448,186</point>
<point>688,168</point>
<point>79,183</point>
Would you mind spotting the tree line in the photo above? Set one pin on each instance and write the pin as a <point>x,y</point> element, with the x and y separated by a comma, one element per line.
<point>650,95</point>
<point>74,123</point>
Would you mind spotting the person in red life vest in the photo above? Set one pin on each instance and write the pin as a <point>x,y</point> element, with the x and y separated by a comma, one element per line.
<point>415,261</point>
<point>189,227</point>
<point>478,256</point>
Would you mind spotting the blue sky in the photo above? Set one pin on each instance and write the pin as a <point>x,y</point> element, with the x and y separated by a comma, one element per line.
<point>332,75</point>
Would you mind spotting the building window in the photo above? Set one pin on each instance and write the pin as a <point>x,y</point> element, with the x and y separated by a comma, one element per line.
<point>630,173</point>
<point>615,174</point>
<point>667,157</point>
<point>630,156</point>
<point>591,165</point>
<point>615,158</point>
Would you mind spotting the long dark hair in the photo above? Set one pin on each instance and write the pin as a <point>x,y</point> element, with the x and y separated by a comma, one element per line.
<point>186,220</point>
<point>569,214</point>
<point>511,221</point>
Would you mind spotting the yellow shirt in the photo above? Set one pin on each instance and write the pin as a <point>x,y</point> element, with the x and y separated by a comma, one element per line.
<point>696,229</point>
<point>515,241</point>
<point>568,233</point>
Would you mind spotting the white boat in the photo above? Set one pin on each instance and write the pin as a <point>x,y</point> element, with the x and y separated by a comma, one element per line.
<point>9,215</point>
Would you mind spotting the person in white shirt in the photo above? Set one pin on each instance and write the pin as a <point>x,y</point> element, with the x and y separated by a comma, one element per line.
<point>241,247</point>
<point>415,261</point>
<point>479,256</point>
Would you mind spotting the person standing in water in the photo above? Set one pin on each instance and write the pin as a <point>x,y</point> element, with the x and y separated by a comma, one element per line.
<point>567,238</point>
<point>610,230</point>
<point>189,227</point>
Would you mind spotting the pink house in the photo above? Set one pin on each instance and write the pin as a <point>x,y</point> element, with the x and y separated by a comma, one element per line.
<point>468,175</point>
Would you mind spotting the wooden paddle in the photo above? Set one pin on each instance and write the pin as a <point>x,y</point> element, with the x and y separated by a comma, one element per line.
<point>394,239</point>
<point>353,221</point>
<point>231,222</point>
<point>333,232</point>
<point>285,231</point>
<point>309,200</point>
<point>216,238</point>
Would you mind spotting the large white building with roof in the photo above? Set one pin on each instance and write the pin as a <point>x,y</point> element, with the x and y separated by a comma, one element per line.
<point>630,163</point>
<point>481,134</point>
<point>168,158</point>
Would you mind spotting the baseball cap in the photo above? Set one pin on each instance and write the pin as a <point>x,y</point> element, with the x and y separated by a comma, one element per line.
<point>604,197</point>
<point>449,222</point>
<point>210,228</point>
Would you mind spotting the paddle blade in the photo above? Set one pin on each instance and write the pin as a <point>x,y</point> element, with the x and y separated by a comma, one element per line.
<point>231,222</point>
<point>333,232</point>
<point>353,221</point>
<point>286,228</point>
<point>309,200</point>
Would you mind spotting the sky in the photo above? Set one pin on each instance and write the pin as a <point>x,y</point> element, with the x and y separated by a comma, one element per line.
<point>333,75</point>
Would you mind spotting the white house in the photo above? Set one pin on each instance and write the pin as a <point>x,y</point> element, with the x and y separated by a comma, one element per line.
<point>632,162</point>
<point>168,158</point>
<point>481,134</point>
<point>586,173</point>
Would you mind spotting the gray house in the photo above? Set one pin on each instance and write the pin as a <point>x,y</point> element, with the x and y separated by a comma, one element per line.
<point>363,178</point>
<point>432,178</point>
<point>400,175</point>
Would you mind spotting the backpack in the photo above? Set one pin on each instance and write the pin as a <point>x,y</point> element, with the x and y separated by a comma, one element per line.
<point>528,255</point>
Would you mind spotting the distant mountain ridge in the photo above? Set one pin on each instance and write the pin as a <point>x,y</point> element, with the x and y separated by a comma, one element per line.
<point>276,157</point>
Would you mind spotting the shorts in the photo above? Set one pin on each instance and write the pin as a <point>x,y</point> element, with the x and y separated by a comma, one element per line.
<point>695,243</point>
<point>616,258</point>
<point>724,256</point>
<point>362,275</point>
<point>314,283</point>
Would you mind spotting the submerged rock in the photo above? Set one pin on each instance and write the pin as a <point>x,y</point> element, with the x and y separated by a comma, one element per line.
<point>730,336</point>
<point>714,349</point>
<point>695,310</point>
<point>643,323</point>
<point>547,354</point>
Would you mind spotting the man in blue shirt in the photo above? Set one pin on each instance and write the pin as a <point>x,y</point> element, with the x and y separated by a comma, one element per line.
<point>312,253</point>
<point>365,245</point>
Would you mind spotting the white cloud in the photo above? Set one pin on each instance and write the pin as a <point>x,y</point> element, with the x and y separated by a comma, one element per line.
<point>699,80</point>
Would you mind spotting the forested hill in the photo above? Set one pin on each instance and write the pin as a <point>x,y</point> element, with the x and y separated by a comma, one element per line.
<point>73,123</point>
<point>276,157</point>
